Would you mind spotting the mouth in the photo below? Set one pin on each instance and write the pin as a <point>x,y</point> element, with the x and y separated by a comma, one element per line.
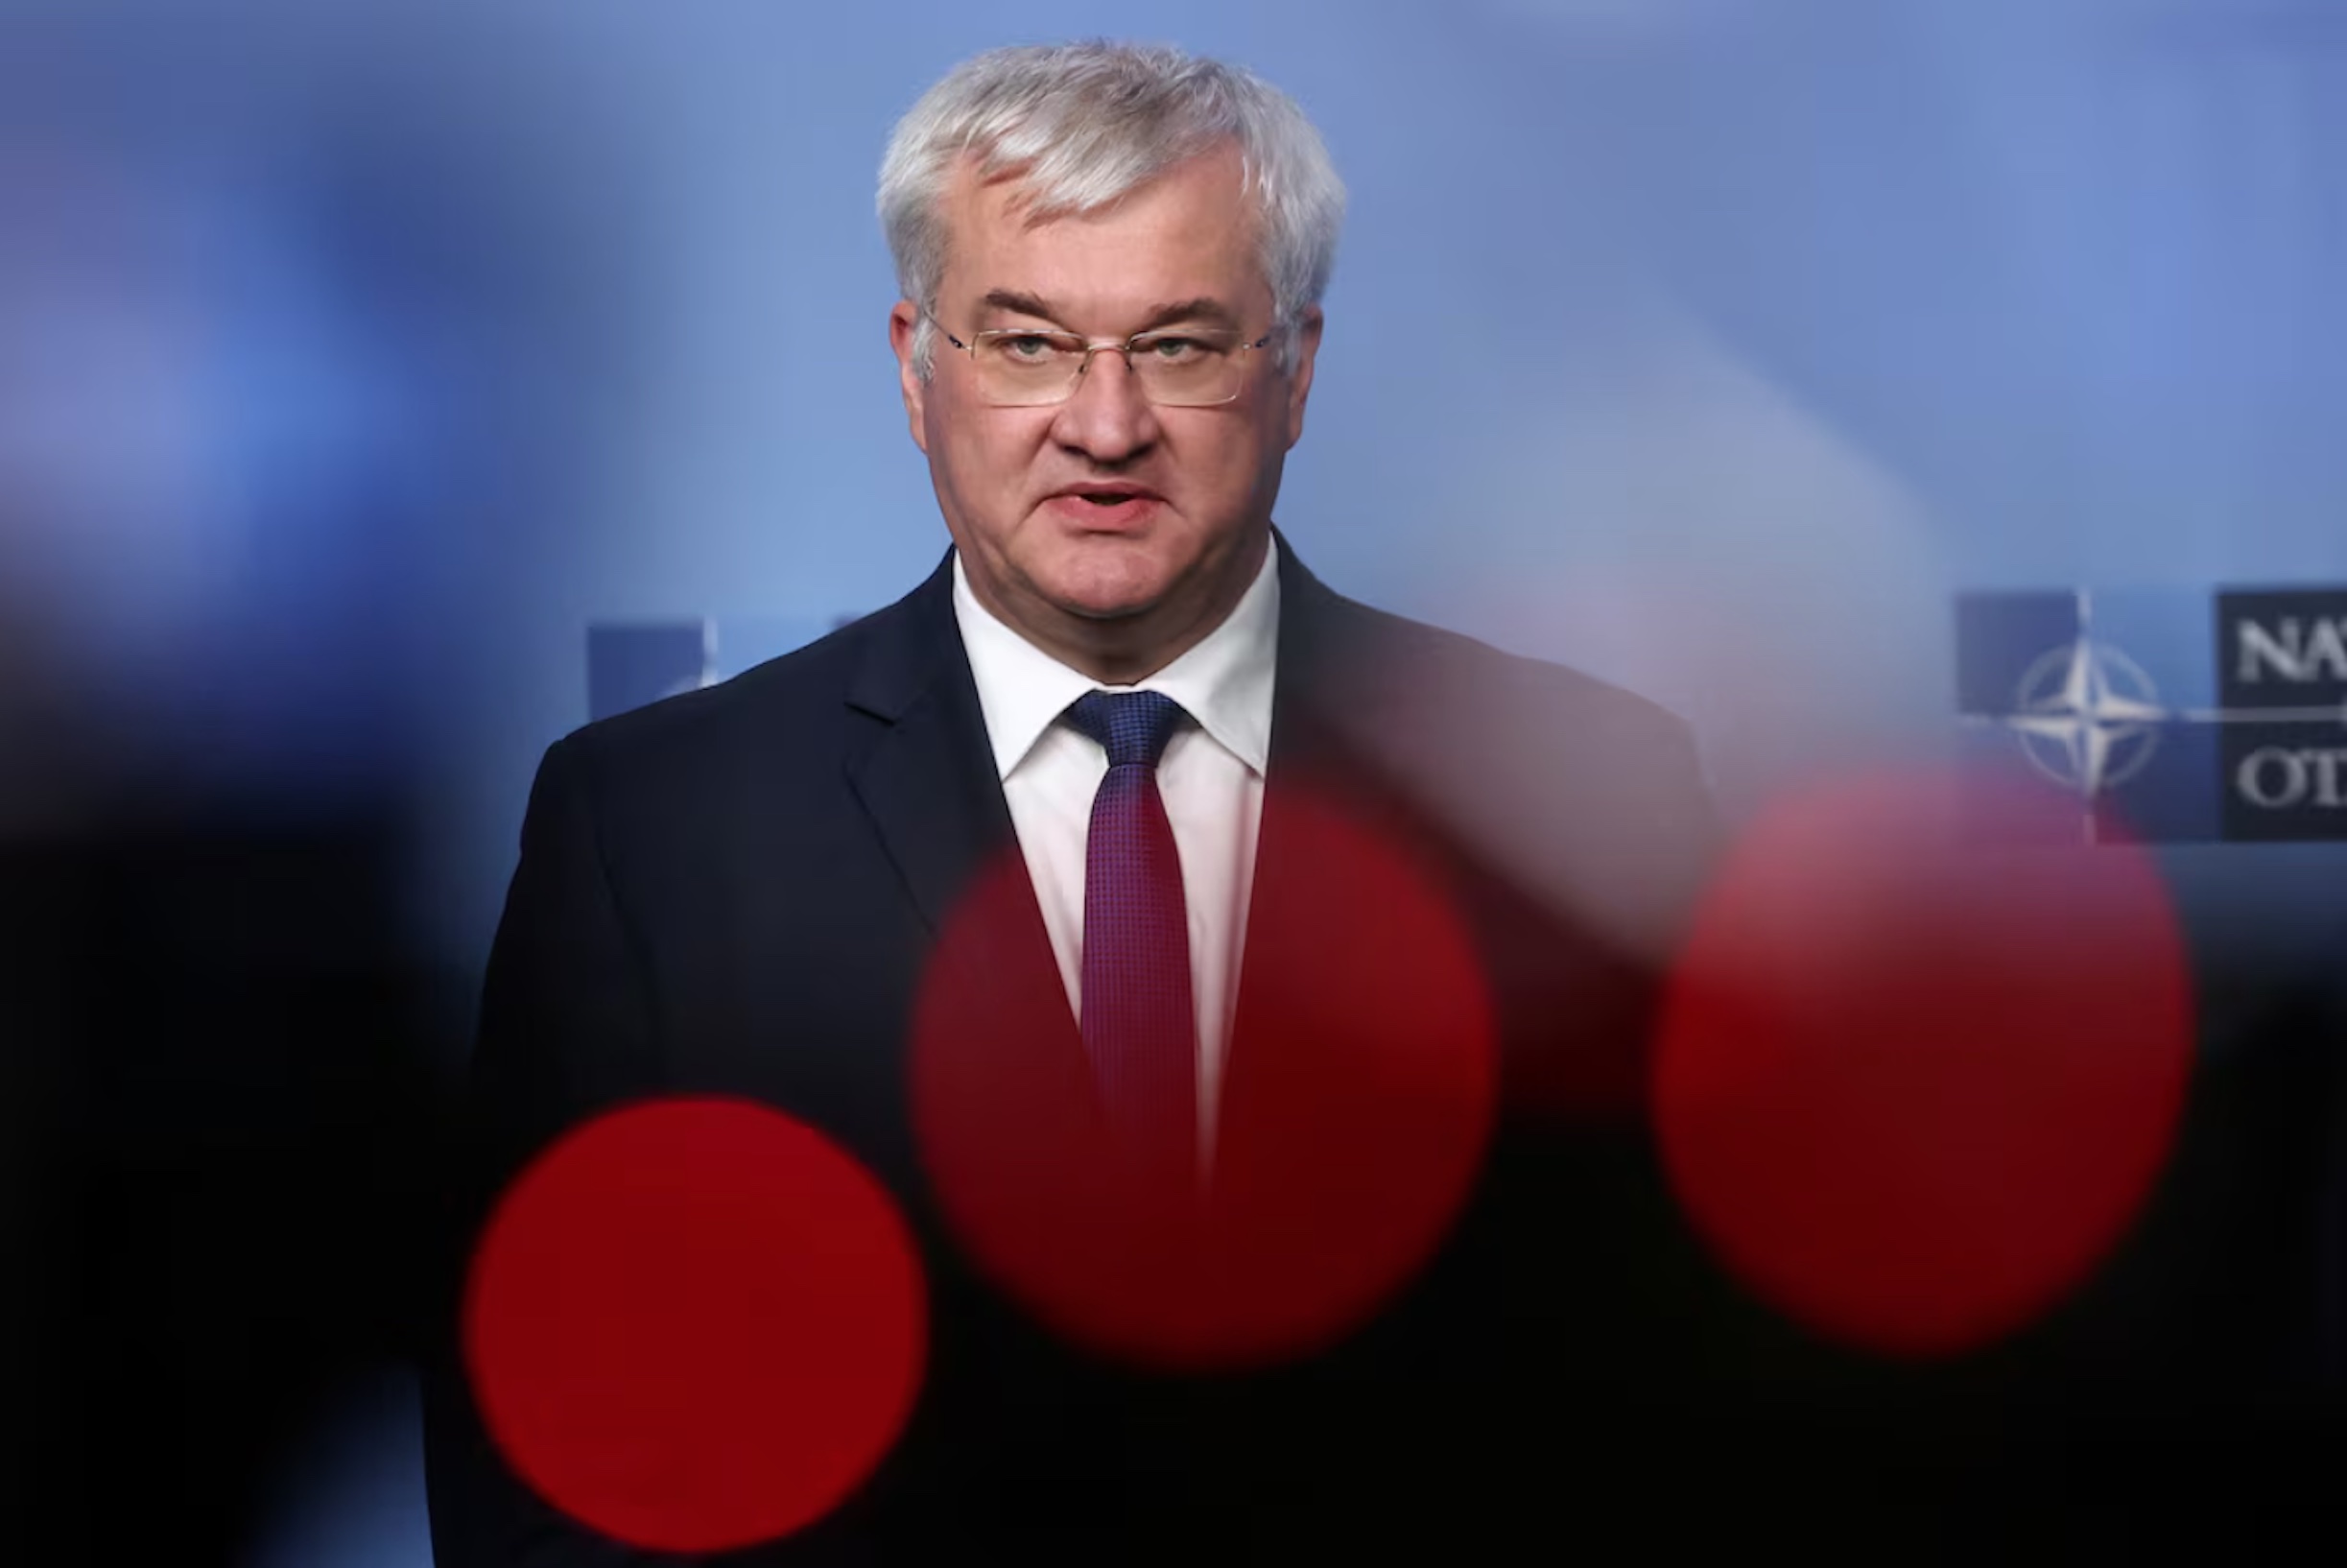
<point>1107,494</point>
<point>1105,505</point>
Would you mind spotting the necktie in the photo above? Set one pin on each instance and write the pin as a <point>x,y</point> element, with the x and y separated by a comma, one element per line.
<point>1137,1014</point>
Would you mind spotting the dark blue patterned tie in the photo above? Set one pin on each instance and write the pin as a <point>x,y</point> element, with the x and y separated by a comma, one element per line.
<point>1138,1020</point>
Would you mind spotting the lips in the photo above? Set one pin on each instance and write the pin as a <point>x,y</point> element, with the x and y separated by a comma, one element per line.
<point>1104,506</point>
<point>1107,494</point>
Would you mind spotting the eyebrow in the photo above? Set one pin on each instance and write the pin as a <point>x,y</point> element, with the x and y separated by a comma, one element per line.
<point>1204,308</point>
<point>1019,304</point>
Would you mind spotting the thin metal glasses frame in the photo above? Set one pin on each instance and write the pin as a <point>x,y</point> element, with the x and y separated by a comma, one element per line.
<point>1124,348</point>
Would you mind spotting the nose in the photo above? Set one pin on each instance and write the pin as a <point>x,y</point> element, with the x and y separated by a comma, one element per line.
<point>1105,418</point>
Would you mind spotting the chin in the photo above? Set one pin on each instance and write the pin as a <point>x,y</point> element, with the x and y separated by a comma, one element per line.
<point>1107,590</point>
<point>1107,606</point>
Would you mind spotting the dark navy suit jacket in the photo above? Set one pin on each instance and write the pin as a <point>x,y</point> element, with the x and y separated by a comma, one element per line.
<point>736,891</point>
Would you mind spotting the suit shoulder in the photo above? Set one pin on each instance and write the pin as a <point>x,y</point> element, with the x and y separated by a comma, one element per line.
<point>787,707</point>
<point>1587,796</point>
<point>1442,666</point>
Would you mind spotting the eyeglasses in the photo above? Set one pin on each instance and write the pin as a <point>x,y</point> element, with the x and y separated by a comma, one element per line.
<point>1175,368</point>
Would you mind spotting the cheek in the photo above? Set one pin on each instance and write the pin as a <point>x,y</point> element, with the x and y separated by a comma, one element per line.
<point>1277,426</point>
<point>1224,464</point>
<point>1255,458</point>
<point>990,463</point>
<point>1014,435</point>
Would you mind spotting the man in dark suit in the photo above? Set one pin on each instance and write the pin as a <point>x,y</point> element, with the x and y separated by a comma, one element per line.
<point>1124,686</point>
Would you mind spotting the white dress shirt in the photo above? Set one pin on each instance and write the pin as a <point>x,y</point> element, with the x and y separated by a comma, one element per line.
<point>1211,779</point>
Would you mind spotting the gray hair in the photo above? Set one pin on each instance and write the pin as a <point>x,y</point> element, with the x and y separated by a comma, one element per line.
<point>1083,124</point>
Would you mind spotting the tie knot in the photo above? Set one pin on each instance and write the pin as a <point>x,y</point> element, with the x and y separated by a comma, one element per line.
<point>1132,726</point>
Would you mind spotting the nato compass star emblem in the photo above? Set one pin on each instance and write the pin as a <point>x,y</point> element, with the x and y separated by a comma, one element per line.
<point>2181,715</point>
<point>2086,716</point>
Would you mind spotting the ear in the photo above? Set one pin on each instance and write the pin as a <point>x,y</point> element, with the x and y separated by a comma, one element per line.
<point>1299,375</point>
<point>904,324</point>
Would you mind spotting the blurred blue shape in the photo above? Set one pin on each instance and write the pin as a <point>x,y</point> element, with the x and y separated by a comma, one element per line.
<point>628,666</point>
<point>745,641</point>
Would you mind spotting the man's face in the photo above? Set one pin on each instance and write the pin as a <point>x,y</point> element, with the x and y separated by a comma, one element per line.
<point>1171,558</point>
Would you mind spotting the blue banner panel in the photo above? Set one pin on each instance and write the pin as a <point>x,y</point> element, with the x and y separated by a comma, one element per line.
<point>2170,716</point>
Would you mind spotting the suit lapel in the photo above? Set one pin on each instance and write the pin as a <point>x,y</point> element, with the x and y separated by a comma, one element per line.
<point>926,774</point>
<point>1308,698</point>
<point>1313,765</point>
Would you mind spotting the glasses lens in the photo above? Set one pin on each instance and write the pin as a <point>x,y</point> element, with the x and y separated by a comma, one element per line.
<point>1020,369</point>
<point>1184,370</point>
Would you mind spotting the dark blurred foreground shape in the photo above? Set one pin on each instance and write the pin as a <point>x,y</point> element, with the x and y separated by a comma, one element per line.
<point>215,1173</point>
<point>275,324</point>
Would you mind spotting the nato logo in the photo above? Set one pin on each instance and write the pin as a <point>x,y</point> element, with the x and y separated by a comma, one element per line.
<point>629,665</point>
<point>2168,715</point>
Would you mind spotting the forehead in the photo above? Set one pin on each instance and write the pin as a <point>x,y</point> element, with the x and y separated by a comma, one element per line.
<point>1189,232</point>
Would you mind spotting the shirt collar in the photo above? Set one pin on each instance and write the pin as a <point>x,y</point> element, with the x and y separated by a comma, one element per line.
<point>1223,682</point>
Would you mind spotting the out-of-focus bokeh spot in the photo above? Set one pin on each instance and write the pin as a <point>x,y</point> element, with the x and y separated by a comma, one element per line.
<point>1355,1110</point>
<point>1913,1090</point>
<point>696,1324</point>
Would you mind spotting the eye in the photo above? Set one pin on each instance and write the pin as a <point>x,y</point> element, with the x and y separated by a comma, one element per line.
<point>1177,350</point>
<point>1026,345</point>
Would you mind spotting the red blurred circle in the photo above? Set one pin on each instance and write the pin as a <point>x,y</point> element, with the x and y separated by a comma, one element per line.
<point>1912,1090</point>
<point>1356,1105</point>
<point>695,1324</point>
